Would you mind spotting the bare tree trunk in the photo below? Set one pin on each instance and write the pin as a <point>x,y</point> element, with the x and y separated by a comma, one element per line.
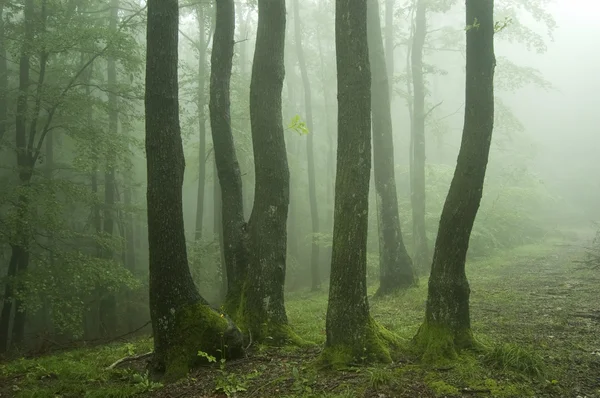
<point>201,103</point>
<point>447,325</point>
<point>394,262</point>
<point>182,322</point>
<point>389,44</point>
<point>312,190</point>
<point>264,302</point>
<point>234,241</point>
<point>421,254</point>
<point>108,302</point>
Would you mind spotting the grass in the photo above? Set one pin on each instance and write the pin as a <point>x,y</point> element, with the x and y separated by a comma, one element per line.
<point>523,303</point>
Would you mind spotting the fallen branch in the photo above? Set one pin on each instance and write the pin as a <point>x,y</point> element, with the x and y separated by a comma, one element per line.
<point>129,359</point>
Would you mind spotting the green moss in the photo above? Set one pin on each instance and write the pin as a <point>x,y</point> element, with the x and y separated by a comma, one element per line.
<point>442,388</point>
<point>200,328</point>
<point>376,345</point>
<point>437,343</point>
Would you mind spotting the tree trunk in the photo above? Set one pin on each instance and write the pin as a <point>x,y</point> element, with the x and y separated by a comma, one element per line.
<point>394,262</point>
<point>447,325</point>
<point>20,249</point>
<point>182,322</point>
<point>3,76</point>
<point>218,230</point>
<point>201,103</point>
<point>352,335</point>
<point>108,302</point>
<point>389,44</point>
<point>312,190</point>
<point>417,173</point>
<point>235,245</point>
<point>263,307</point>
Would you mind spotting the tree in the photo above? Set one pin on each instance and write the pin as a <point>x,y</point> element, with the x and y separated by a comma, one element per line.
<point>417,139</point>
<point>234,236</point>
<point>310,153</point>
<point>3,76</point>
<point>264,300</point>
<point>447,325</point>
<point>394,262</point>
<point>351,332</point>
<point>182,321</point>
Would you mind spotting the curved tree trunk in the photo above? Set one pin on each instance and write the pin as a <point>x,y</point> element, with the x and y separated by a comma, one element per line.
<point>264,310</point>
<point>182,322</point>
<point>447,325</point>
<point>312,191</point>
<point>235,247</point>
<point>352,335</point>
<point>394,262</point>
<point>417,172</point>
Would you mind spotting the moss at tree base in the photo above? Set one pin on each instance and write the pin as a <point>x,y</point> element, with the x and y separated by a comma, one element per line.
<point>437,343</point>
<point>375,344</point>
<point>199,328</point>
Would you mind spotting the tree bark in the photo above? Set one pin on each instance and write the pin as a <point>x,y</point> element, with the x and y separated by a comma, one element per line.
<point>417,173</point>
<point>352,335</point>
<point>182,322</point>
<point>235,245</point>
<point>394,262</point>
<point>108,302</point>
<point>263,307</point>
<point>447,325</point>
<point>201,103</point>
<point>312,191</point>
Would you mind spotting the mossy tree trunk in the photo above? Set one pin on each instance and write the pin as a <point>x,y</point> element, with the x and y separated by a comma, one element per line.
<point>417,166</point>
<point>394,262</point>
<point>447,325</point>
<point>263,307</point>
<point>312,190</point>
<point>352,335</point>
<point>182,322</point>
<point>235,245</point>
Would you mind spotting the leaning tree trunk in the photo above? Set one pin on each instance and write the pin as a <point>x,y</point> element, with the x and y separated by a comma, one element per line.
<point>235,247</point>
<point>108,303</point>
<point>394,262</point>
<point>417,172</point>
<point>201,103</point>
<point>310,152</point>
<point>352,335</point>
<point>182,322</point>
<point>263,307</point>
<point>447,325</point>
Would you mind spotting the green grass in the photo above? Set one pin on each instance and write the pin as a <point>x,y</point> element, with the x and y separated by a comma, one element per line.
<point>522,304</point>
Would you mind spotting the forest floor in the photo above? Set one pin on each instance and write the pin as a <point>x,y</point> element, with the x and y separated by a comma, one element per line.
<point>534,307</point>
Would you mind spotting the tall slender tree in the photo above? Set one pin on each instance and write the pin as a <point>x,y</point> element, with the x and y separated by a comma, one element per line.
<point>390,43</point>
<point>417,165</point>
<point>3,75</point>
<point>310,151</point>
<point>235,243</point>
<point>264,301</point>
<point>351,332</point>
<point>108,303</point>
<point>447,325</point>
<point>201,105</point>
<point>182,322</point>
<point>394,262</point>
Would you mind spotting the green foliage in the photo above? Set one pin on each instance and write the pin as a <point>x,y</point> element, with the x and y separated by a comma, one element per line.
<point>204,258</point>
<point>298,126</point>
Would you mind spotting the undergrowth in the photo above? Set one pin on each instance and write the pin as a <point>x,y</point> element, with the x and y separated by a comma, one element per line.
<point>521,301</point>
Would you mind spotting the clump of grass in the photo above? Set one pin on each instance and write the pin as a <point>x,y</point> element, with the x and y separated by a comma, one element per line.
<point>380,378</point>
<point>516,358</point>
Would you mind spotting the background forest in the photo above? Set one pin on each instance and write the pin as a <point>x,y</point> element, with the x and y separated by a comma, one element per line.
<point>73,216</point>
